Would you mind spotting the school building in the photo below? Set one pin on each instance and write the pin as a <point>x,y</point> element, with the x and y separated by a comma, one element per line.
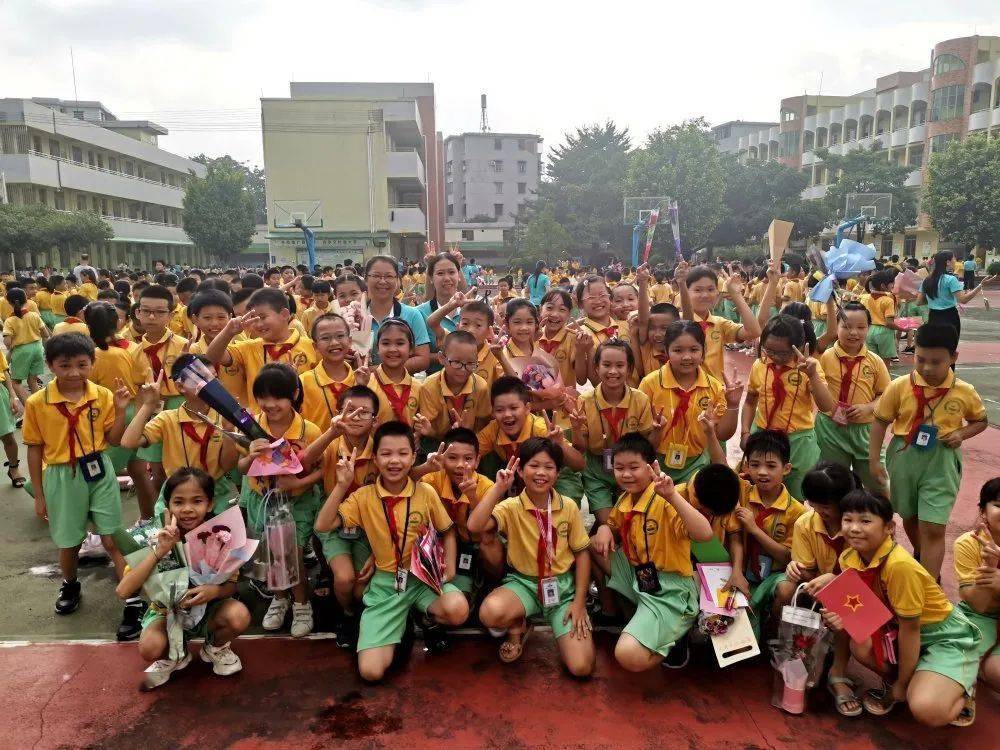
<point>909,114</point>
<point>78,156</point>
<point>358,162</point>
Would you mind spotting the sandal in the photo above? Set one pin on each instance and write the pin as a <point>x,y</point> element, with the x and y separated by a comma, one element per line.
<point>510,651</point>
<point>875,701</point>
<point>842,699</point>
<point>968,713</point>
<point>16,482</point>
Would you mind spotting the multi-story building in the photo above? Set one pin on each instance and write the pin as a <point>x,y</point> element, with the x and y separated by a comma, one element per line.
<point>909,114</point>
<point>77,156</point>
<point>488,176</point>
<point>367,157</point>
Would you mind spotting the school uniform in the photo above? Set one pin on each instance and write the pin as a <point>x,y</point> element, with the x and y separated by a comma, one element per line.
<point>682,449</point>
<point>722,525</point>
<point>488,367</point>
<point>606,423</point>
<point>881,340</point>
<point>71,324</point>
<point>661,293</point>
<point>43,298</point>
<point>159,356</point>
<point>7,424</point>
<point>392,524</point>
<point>852,379</point>
<point>818,310</point>
<point>27,356</point>
<point>68,431</point>
<point>119,363</point>
<point>232,376</point>
<point>396,401</point>
<point>812,546</point>
<point>468,573</point>
<point>785,403</point>
<point>968,555</point>
<point>520,522</point>
<point>6,310</point>
<point>320,394</point>
<point>924,481</point>
<point>436,400</point>
<point>718,332</point>
<point>600,332</point>
<point>949,643</point>
<point>308,316</point>
<point>252,354</point>
<point>448,324</point>
<point>57,302</point>
<point>793,291</point>
<point>347,541</point>
<point>777,520</point>
<point>89,291</point>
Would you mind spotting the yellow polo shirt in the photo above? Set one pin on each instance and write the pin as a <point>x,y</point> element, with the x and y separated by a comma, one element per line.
<point>793,291</point>
<point>818,310</point>
<point>173,347</point>
<point>4,367</point>
<point>869,378</point>
<point>601,333</point>
<point>120,363</point>
<point>300,433</point>
<point>898,405</point>
<point>724,525</point>
<point>651,359</point>
<point>365,471</point>
<point>633,414</point>
<point>664,393</point>
<point>180,323</point>
<point>6,310</point>
<point>43,298</point>
<point>779,525</point>
<point>661,293</point>
<point>379,382</point>
<point>45,426</point>
<point>517,523</point>
<point>232,377</point>
<point>442,485</point>
<point>881,306</point>
<point>70,325</point>
<point>308,316</point>
<point>489,368</point>
<point>718,332</point>
<point>320,393</point>
<point>88,290</point>
<point>656,533</point>
<point>436,399</point>
<point>180,448</point>
<point>812,547</point>
<point>968,558</point>
<point>24,330</point>
<point>493,439</point>
<point>57,302</point>
<point>561,348</point>
<point>906,586</point>
<point>366,508</point>
<point>798,409</point>
<point>252,354</point>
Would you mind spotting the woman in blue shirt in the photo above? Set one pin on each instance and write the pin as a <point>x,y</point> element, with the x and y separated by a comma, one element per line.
<point>538,283</point>
<point>942,292</point>
<point>444,278</point>
<point>382,280</point>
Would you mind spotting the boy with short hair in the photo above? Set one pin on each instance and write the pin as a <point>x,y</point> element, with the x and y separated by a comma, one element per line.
<point>477,318</point>
<point>392,512</point>
<point>210,311</point>
<point>73,320</point>
<point>931,413</point>
<point>455,391</point>
<point>180,322</point>
<point>319,304</point>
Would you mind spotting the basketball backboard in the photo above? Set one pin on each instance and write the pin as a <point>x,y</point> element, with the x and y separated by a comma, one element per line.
<point>296,214</point>
<point>636,209</point>
<point>872,206</point>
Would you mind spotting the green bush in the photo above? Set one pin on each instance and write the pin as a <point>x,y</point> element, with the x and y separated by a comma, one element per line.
<point>994,269</point>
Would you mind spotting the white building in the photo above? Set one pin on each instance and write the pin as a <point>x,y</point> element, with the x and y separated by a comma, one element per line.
<point>77,156</point>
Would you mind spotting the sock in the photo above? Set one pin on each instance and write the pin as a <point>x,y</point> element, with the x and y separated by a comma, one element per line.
<point>133,601</point>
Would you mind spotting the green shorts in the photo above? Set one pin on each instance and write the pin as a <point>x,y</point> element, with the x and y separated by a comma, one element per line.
<point>121,456</point>
<point>27,359</point>
<point>334,546</point>
<point>48,318</point>
<point>7,425</point>
<point>72,503</point>
<point>599,484</point>
<point>951,648</point>
<point>198,631</point>
<point>526,589</point>
<point>882,341</point>
<point>987,625</point>
<point>923,482</point>
<point>304,510</point>
<point>761,597</point>
<point>224,491</point>
<point>912,310</point>
<point>805,455</point>
<point>154,453</point>
<point>691,467</point>
<point>383,619</point>
<point>660,619</point>
<point>847,445</point>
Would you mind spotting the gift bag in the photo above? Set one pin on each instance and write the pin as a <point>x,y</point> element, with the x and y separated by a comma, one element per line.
<point>803,636</point>
<point>281,552</point>
<point>789,692</point>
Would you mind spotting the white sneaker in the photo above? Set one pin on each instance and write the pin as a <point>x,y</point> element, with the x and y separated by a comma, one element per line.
<point>276,613</point>
<point>224,662</point>
<point>302,619</point>
<point>159,671</point>
<point>92,549</point>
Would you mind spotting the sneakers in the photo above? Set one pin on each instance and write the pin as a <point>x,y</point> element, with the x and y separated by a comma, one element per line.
<point>92,549</point>
<point>436,639</point>
<point>159,671</point>
<point>274,618</point>
<point>131,624</point>
<point>347,632</point>
<point>677,657</point>
<point>224,662</point>
<point>302,620</point>
<point>69,597</point>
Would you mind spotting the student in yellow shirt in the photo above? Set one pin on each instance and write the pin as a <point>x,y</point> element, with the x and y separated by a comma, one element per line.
<point>593,296</point>
<point>72,321</point>
<point>857,377</point>
<point>11,408</point>
<point>321,304</point>
<point>786,387</point>
<point>180,320</point>
<point>455,392</point>
<point>88,285</point>
<point>648,558</point>
<point>23,334</point>
<point>549,569</point>
<point>794,289</point>
<point>392,512</point>
<point>323,385</point>
<point>210,310</point>
<point>661,291</point>
<point>477,318</point>
<point>933,669</point>
<point>881,306</point>
<point>43,298</point>
<point>624,301</point>
<point>398,392</point>
<point>348,288</point>
<point>976,558</point>
<point>650,348</point>
<point>931,413</point>
<point>555,337</point>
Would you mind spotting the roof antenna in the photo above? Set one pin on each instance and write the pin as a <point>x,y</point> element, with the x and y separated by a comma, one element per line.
<point>72,63</point>
<point>484,124</point>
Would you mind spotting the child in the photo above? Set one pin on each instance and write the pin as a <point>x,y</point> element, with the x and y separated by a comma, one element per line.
<point>348,288</point>
<point>57,298</point>
<point>554,335</point>
<point>932,413</point>
<point>278,393</point>
<point>624,301</point>
<point>68,426</point>
<point>522,328</point>
<point>23,333</point>
<point>477,318</point>
<point>455,390</point>
<point>976,557</point>
<point>269,315</point>
<point>786,387</point>
<point>593,296</point>
<point>392,513</point>
<point>11,408</point>
<point>605,413</point>
<point>549,568</point>
<point>652,325</point>
<point>936,647</point>
<point>322,294</point>
<point>651,563</point>
<point>680,391</point>
<point>180,321</point>
<point>858,377</point>
<point>661,292</point>
<point>72,322</point>
<point>397,391</point>
<point>189,498</point>
<point>88,285</point>
<point>881,306</point>
<point>211,310</point>
<point>322,386</point>
<point>699,292</point>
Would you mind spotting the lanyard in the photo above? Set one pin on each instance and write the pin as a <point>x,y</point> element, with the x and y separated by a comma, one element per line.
<point>389,510</point>
<point>72,418</point>
<point>627,530</point>
<point>546,552</point>
<point>922,402</point>
<point>337,389</point>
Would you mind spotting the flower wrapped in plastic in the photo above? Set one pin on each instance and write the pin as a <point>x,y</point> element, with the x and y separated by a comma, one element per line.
<point>848,259</point>
<point>540,372</point>
<point>803,636</point>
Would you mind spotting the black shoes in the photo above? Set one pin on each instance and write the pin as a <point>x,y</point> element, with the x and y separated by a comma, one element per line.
<point>678,656</point>
<point>69,598</point>
<point>131,624</point>
<point>347,632</point>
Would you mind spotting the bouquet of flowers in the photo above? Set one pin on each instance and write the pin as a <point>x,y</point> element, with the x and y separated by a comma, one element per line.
<point>197,376</point>
<point>216,550</point>
<point>540,373</point>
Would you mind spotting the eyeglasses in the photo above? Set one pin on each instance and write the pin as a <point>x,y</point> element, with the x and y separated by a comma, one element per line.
<point>147,311</point>
<point>777,355</point>
<point>364,415</point>
<point>462,365</point>
<point>382,276</point>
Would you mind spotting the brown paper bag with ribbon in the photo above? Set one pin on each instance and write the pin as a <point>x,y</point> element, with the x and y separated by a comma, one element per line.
<point>778,235</point>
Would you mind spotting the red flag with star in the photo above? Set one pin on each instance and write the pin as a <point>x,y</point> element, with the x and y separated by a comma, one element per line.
<point>859,607</point>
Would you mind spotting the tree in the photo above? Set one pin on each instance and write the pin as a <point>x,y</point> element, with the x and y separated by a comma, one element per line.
<point>962,195</point>
<point>544,239</point>
<point>683,162</point>
<point>219,211</point>
<point>37,228</point>
<point>868,170</point>
<point>75,229</point>
<point>253,176</point>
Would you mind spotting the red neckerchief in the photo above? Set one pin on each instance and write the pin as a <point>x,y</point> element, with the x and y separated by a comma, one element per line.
<point>458,403</point>
<point>615,416</point>
<point>72,319</point>
<point>120,343</point>
<point>705,325</point>
<point>276,351</point>
<point>72,418</point>
<point>397,399</point>
<point>680,411</point>
<point>203,441</point>
<point>778,390</point>
<point>628,549</point>
<point>848,363</point>
<point>549,345</point>
<point>872,578</point>
<point>754,548</point>
<point>922,402</point>
<point>542,552</point>
<point>153,352</point>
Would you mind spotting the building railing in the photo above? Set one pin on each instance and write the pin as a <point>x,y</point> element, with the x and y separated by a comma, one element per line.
<point>130,220</point>
<point>116,173</point>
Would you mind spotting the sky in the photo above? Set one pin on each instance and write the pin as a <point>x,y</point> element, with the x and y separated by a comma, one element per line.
<point>548,66</point>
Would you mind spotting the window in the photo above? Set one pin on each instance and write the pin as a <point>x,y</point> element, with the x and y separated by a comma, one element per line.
<point>90,158</point>
<point>497,144</point>
<point>522,167</point>
<point>464,165</point>
<point>36,143</point>
<point>910,247</point>
<point>790,143</point>
<point>497,165</point>
<point>78,114</point>
<point>449,187</point>
<point>77,154</point>
<point>54,147</point>
<point>43,197</point>
<point>94,205</point>
<point>947,63</point>
<point>104,206</point>
<point>787,115</point>
<point>129,168</point>
<point>522,188</point>
<point>947,102</point>
<point>497,210</point>
<point>980,97</point>
<point>447,167</point>
<point>81,203</point>
<point>940,142</point>
<point>170,178</point>
<point>886,245</point>
<point>498,186</point>
<point>916,158</point>
<point>116,208</point>
<point>468,235</point>
<point>451,210</point>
